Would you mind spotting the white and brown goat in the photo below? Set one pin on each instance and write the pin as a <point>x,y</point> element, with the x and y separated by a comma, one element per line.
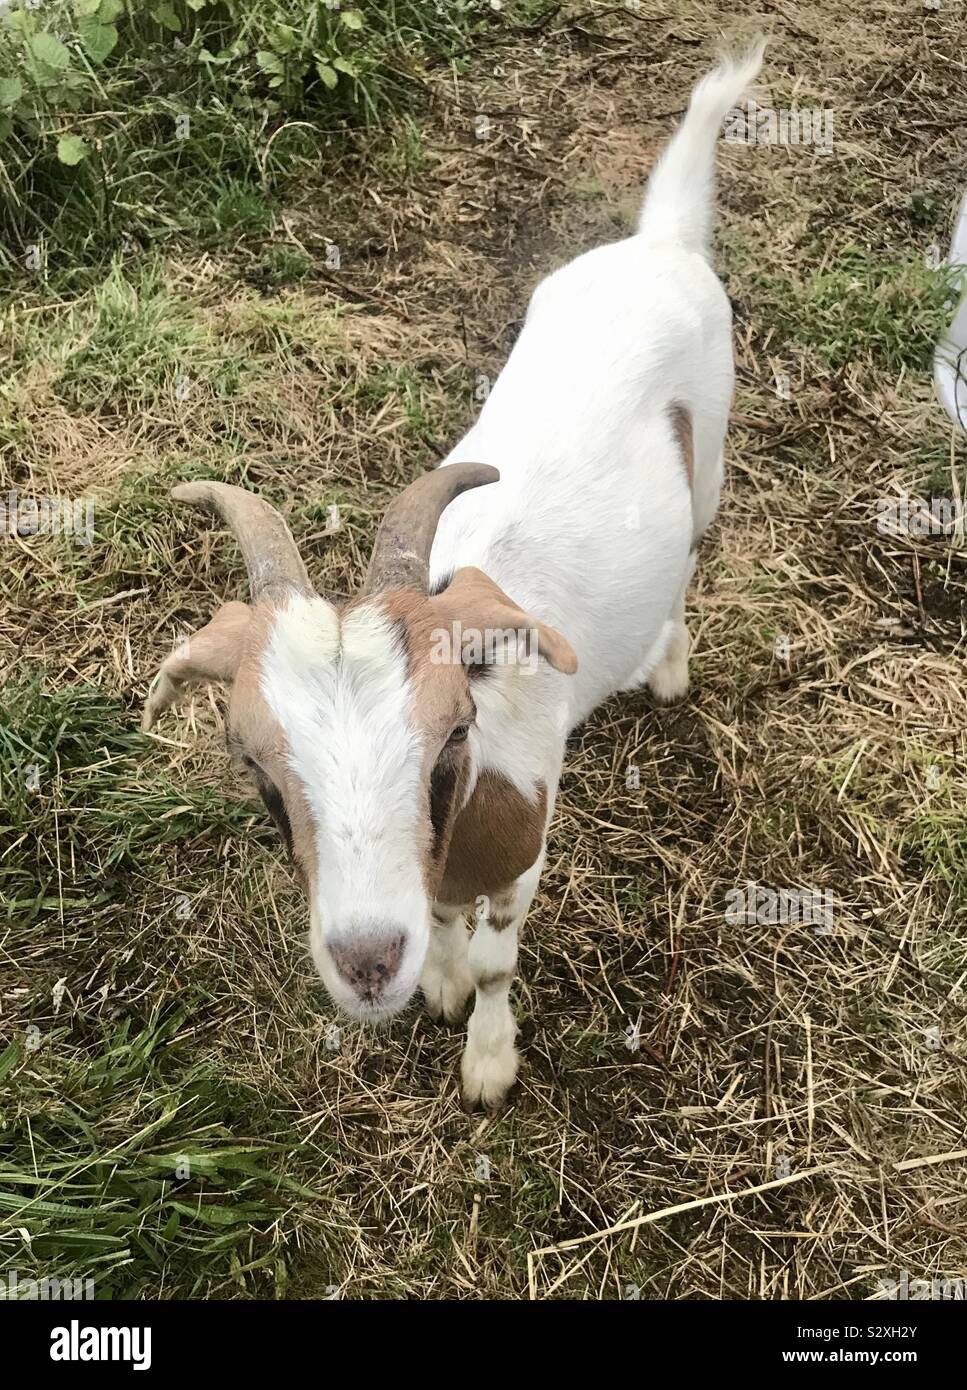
<point>408,751</point>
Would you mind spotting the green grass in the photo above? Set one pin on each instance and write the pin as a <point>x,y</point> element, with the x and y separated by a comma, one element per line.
<point>921,817</point>
<point>122,120</point>
<point>76,792</point>
<point>129,340</point>
<point>403,386</point>
<point>125,1162</point>
<point>136,342</point>
<point>861,309</point>
<point>123,1157</point>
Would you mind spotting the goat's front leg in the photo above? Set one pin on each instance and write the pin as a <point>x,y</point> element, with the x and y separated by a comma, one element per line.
<point>490,1060</point>
<point>446,981</point>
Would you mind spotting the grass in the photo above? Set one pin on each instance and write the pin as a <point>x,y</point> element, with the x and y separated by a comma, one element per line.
<point>863,308</point>
<point>124,122</point>
<point>156,1189</point>
<point>182,1112</point>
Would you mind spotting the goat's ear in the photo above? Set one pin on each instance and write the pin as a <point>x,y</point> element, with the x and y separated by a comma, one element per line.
<point>476,601</point>
<point>213,653</point>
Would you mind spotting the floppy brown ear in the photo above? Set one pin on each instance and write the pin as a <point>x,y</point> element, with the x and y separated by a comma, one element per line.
<point>212,653</point>
<point>476,602</point>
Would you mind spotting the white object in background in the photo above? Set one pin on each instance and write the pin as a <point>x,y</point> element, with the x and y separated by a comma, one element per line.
<point>950,358</point>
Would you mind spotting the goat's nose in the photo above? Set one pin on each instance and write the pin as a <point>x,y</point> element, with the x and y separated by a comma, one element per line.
<point>368,962</point>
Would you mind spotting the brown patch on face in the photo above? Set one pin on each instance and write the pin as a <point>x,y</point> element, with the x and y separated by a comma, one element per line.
<point>497,837</point>
<point>681,423</point>
<point>442,707</point>
<point>485,845</point>
<point>257,740</point>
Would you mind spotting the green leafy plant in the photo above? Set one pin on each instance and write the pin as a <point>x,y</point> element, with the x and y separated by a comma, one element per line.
<point>115,115</point>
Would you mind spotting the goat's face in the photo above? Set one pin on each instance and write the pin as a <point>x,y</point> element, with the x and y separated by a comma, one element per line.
<point>356,724</point>
<point>360,747</point>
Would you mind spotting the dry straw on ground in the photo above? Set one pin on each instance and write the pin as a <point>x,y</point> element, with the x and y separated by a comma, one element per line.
<point>784,1123</point>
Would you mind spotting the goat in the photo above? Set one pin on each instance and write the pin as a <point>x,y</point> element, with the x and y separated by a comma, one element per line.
<point>411,774</point>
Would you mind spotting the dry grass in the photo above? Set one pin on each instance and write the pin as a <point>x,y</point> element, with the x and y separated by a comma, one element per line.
<point>767,1055</point>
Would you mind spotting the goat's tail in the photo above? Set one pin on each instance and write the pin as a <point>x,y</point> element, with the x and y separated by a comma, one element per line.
<point>680,197</point>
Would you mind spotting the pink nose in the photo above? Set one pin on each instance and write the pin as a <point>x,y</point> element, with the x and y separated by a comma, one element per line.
<point>368,962</point>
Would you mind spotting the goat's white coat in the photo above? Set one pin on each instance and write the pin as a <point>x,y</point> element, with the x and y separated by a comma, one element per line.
<point>590,529</point>
<point>592,525</point>
<point>341,694</point>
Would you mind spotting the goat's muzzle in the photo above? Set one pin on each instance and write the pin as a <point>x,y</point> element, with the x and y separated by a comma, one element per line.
<point>368,963</point>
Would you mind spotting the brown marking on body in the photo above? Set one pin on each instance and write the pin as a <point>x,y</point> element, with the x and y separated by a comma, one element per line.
<point>681,423</point>
<point>498,835</point>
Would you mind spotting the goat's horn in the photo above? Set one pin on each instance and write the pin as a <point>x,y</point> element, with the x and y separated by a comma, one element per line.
<point>401,553</point>
<point>265,541</point>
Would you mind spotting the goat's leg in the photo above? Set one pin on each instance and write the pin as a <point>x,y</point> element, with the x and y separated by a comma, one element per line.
<point>669,679</point>
<point>490,1060</point>
<point>446,981</point>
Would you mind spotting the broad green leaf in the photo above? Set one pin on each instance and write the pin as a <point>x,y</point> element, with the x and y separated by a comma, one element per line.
<point>166,17</point>
<point>11,90</point>
<point>49,51</point>
<point>85,9</point>
<point>352,19</point>
<point>10,1201</point>
<point>329,75</point>
<point>269,62</point>
<point>98,39</point>
<point>84,1240</point>
<point>22,21</point>
<point>212,1215</point>
<point>283,38</point>
<point>197,4</point>
<point>344,65</point>
<point>110,10</point>
<point>71,149</point>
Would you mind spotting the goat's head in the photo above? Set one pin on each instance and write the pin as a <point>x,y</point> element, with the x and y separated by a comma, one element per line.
<point>354,722</point>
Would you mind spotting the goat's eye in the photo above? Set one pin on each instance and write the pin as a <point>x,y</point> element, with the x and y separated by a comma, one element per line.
<point>459,734</point>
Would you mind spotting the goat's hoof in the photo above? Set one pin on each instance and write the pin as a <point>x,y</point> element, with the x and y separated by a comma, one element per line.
<point>446,996</point>
<point>668,682</point>
<point>488,1076</point>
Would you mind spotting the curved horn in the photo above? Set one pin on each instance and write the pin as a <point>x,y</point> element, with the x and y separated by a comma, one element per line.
<point>401,552</point>
<point>265,541</point>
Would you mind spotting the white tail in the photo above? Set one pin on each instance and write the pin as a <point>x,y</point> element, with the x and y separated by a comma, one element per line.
<point>680,197</point>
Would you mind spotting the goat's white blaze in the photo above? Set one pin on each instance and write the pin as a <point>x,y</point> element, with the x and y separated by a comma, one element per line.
<point>341,693</point>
